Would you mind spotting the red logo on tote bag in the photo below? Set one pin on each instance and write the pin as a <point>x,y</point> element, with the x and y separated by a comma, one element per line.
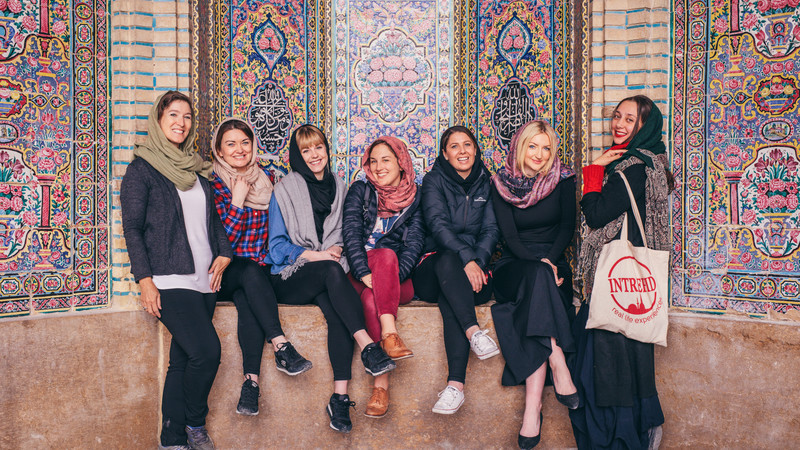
<point>633,287</point>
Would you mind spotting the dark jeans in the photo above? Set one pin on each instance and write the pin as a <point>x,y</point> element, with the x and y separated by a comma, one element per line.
<point>441,279</point>
<point>194,357</point>
<point>247,284</point>
<point>325,284</point>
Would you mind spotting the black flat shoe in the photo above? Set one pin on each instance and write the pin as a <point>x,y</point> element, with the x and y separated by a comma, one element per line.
<point>571,401</point>
<point>527,443</point>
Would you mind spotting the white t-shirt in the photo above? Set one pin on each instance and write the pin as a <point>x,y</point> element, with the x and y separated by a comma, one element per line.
<point>193,204</point>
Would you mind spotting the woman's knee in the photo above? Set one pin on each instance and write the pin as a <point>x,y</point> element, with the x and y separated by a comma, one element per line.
<point>448,265</point>
<point>207,356</point>
<point>383,259</point>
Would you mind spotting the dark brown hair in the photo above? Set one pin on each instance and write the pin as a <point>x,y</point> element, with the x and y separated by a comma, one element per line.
<point>169,98</point>
<point>643,107</point>
<point>232,124</point>
<point>458,129</point>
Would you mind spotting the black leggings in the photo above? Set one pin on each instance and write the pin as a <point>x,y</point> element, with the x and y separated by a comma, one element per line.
<point>247,284</point>
<point>325,284</point>
<point>441,279</point>
<point>194,357</point>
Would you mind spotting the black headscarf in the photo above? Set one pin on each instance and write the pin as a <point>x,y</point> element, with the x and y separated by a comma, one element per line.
<point>449,170</point>
<point>322,192</point>
<point>648,137</point>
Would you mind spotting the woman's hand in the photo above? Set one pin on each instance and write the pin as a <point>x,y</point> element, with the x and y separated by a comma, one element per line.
<point>367,280</point>
<point>559,281</point>
<point>335,251</point>
<point>216,270</point>
<point>312,256</point>
<point>477,278</point>
<point>609,157</point>
<point>150,298</point>
<point>239,191</point>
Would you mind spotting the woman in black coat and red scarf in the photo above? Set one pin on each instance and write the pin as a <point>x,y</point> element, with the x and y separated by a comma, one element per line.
<point>383,237</point>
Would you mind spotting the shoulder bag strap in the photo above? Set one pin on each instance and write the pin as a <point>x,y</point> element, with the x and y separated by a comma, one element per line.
<point>635,208</point>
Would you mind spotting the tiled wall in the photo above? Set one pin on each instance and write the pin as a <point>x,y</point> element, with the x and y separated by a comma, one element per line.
<point>709,69</point>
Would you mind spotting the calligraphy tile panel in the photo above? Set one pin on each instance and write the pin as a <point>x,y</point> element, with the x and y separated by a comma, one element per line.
<point>264,68</point>
<point>520,68</point>
<point>735,155</point>
<point>53,156</point>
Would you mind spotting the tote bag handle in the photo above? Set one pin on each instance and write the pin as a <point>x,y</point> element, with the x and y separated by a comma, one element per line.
<point>635,208</point>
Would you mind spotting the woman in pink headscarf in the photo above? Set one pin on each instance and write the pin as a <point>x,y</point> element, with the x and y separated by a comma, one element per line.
<point>383,238</point>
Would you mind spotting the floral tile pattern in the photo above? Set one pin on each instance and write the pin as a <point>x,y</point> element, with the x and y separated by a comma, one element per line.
<point>53,156</point>
<point>735,155</point>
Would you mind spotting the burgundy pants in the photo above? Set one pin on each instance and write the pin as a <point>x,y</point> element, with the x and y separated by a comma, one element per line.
<point>387,291</point>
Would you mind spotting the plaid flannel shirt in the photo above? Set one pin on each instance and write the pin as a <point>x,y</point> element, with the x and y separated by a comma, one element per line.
<point>246,227</point>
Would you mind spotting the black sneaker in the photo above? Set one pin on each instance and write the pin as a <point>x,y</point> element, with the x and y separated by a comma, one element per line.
<point>339,411</point>
<point>288,361</point>
<point>248,400</point>
<point>198,438</point>
<point>376,361</point>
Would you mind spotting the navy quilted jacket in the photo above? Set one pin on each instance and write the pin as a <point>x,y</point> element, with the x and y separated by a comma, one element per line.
<point>406,237</point>
<point>458,220</point>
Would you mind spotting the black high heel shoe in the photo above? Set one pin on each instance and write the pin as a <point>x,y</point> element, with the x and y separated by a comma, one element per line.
<point>571,401</point>
<point>527,443</point>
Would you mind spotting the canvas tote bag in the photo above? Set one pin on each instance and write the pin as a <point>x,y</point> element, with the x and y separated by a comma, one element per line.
<point>630,287</point>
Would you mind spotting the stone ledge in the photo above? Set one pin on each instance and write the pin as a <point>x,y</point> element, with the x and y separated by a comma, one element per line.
<point>292,408</point>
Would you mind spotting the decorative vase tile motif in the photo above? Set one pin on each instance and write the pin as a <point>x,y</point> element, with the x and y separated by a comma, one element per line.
<point>53,156</point>
<point>392,77</point>
<point>735,153</point>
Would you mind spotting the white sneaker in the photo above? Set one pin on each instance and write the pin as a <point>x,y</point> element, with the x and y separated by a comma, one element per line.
<point>483,345</point>
<point>450,399</point>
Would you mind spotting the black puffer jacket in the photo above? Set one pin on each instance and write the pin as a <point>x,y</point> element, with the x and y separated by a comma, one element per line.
<point>458,220</point>
<point>406,237</point>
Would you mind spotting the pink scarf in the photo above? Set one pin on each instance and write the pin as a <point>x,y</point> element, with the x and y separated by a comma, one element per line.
<point>520,190</point>
<point>392,199</point>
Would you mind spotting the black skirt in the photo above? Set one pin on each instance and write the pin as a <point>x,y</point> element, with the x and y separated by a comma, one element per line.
<point>530,309</point>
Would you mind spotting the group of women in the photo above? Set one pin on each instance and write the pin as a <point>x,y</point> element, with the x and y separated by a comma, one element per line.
<point>198,232</point>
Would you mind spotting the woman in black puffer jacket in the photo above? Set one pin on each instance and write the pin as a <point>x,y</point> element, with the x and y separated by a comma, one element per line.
<point>462,234</point>
<point>383,237</point>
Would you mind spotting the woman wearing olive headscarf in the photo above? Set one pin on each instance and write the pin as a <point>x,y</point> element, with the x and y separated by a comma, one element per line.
<point>615,375</point>
<point>305,249</point>
<point>178,252</point>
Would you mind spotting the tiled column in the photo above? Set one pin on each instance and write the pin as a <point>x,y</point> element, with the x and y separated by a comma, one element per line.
<point>629,56</point>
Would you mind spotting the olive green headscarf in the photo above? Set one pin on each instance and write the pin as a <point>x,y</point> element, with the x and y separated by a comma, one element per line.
<point>181,165</point>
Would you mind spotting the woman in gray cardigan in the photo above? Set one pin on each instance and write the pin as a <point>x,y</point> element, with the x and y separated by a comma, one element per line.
<point>178,251</point>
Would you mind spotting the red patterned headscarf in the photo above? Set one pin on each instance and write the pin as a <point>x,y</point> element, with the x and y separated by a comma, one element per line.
<point>392,199</point>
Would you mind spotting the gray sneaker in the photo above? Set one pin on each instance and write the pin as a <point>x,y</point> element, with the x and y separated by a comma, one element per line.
<point>199,439</point>
<point>173,447</point>
<point>483,345</point>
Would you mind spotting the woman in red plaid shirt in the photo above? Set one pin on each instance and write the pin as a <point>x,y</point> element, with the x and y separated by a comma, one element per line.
<point>242,191</point>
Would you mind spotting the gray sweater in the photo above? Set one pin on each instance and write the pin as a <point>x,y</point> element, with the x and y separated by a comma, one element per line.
<point>152,221</point>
